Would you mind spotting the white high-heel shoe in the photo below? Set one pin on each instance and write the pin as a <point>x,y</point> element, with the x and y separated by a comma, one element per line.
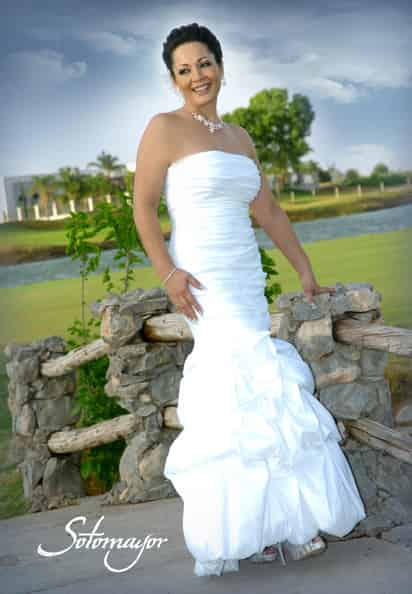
<point>263,557</point>
<point>300,551</point>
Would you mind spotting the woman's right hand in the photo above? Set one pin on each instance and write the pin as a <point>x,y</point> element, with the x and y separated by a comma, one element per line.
<point>178,290</point>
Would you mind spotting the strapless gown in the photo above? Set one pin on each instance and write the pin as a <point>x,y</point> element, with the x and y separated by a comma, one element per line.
<point>258,459</point>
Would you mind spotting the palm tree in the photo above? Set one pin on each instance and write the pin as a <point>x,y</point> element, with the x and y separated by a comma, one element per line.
<point>99,186</point>
<point>45,186</point>
<point>71,183</point>
<point>107,164</point>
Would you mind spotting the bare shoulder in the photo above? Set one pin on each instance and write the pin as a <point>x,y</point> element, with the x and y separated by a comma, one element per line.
<point>156,140</point>
<point>245,140</point>
<point>158,127</point>
<point>154,154</point>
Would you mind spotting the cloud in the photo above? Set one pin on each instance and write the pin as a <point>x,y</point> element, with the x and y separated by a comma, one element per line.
<point>338,53</point>
<point>333,51</point>
<point>126,44</point>
<point>40,68</point>
<point>365,156</point>
<point>341,92</point>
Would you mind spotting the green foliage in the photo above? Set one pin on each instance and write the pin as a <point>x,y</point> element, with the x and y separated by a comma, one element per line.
<point>373,181</point>
<point>352,176</point>
<point>269,268</point>
<point>162,210</point>
<point>78,233</point>
<point>95,406</point>
<point>278,128</point>
<point>120,226</point>
<point>91,401</point>
<point>380,170</point>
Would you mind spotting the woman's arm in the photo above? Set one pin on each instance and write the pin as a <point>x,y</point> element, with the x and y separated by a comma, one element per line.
<point>152,162</point>
<point>148,183</point>
<point>274,221</point>
<point>276,224</point>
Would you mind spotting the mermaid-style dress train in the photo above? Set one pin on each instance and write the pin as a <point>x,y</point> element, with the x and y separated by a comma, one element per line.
<point>258,459</point>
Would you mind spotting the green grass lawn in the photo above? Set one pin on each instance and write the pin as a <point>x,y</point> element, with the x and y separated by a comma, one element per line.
<point>32,234</point>
<point>44,309</point>
<point>35,311</point>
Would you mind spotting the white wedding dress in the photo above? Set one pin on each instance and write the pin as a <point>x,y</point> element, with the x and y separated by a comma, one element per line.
<point>258,459</point>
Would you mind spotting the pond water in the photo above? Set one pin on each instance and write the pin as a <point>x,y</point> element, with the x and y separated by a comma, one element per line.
<point>379,221</point>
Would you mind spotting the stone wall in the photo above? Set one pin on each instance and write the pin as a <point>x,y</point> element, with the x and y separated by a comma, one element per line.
<point>350,383</point>
<point>144,379</point>
<point>40,406</point>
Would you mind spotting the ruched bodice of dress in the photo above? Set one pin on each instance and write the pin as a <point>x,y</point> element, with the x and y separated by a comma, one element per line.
<point>208,196</point>
<point>258,459</point>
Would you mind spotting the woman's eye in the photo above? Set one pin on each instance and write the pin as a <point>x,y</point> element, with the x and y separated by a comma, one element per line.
<point>207,63</point>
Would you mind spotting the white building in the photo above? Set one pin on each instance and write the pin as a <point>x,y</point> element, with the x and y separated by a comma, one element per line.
<point>11,187</point>
<point>304,181</point>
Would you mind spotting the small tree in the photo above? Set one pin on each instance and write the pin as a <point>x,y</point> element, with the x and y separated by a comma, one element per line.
<point>279,128</point>
<point>120,226</point>
<point>380,170</point>
<point>352,176</point>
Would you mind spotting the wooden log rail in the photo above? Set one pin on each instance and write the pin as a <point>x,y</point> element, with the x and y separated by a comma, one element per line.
<point>376,435</point>
<point>172,328</point>
<point>374,336</point>
<point>75,358</point>
<point>76,440</point>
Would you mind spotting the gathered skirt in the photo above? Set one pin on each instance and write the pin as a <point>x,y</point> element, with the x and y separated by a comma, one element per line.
<point>258,459</point>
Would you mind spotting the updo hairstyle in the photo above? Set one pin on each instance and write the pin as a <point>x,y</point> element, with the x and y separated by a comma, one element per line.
<point>188,33</point>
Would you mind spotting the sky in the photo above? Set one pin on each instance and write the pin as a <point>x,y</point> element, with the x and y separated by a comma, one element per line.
<point>80,77</point>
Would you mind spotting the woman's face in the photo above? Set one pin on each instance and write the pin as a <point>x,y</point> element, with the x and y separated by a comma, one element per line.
<point>193,66</point>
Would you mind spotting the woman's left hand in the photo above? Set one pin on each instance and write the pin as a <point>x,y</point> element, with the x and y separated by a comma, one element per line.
<point>311,287</point>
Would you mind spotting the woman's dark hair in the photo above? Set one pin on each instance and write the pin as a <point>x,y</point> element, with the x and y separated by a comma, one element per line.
<point>187,33</point>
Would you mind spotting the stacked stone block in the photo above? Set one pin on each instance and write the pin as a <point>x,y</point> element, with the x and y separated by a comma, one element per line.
<point>144,377</point>
<point>40,406</point>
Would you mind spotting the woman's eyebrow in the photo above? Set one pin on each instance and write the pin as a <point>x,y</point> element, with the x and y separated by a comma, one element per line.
<point>201,58</point>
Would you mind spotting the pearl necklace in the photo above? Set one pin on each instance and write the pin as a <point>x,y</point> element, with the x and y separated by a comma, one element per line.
<point>212,126</point>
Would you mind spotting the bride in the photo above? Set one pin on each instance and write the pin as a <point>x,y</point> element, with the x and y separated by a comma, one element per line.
<point>260,470</point>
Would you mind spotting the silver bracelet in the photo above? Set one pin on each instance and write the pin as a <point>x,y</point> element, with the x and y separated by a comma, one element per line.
<point>169,275</point>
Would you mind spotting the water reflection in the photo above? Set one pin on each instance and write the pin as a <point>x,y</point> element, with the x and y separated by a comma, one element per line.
<point>379,221</point>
